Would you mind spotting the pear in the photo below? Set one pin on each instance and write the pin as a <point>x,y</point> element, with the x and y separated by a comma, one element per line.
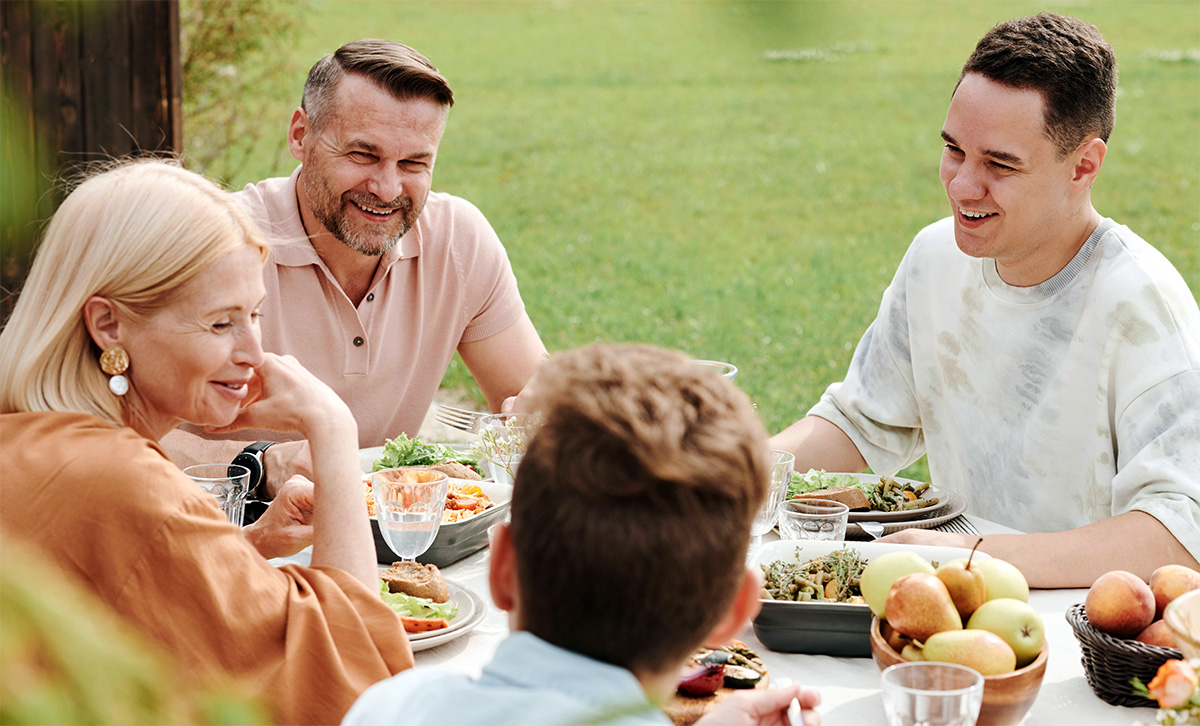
<point>919,605</point>
<point>965,583</point>
<point>895,640</point>
<point>982,650</point>
<point>879,574</point>
<point>912,651</point>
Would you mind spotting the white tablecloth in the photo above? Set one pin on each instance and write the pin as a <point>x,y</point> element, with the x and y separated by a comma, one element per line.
<point>849,686</point>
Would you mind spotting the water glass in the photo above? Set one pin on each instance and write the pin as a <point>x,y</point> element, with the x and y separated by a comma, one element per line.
<point>927,693</point>
<point>817,519</point>
<point>726,370</point>
<point>781,475</point>
<point>228,483</point>
<point>408,506</point>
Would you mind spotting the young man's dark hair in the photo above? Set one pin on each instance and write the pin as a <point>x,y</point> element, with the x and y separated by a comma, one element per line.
<point>1064,59</point>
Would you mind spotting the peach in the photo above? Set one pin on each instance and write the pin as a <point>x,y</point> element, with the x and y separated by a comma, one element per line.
<point>1157,633</point>
<point>1169,582</point>
<point>1119,603</point>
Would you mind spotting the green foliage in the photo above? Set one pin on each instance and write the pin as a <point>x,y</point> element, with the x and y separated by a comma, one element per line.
<point>739,180</point>
<point>65,658</point>
<point>236,60</point>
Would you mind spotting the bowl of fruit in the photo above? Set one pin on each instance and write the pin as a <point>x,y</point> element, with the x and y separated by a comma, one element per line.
<point>973,612</point>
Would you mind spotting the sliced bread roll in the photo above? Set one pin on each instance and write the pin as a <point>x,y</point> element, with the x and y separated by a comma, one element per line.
<point>851,497</point>
<point>413,578</point>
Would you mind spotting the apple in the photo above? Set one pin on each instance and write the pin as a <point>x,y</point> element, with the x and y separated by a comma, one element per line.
<point>1169,582</point>
<point>965,583</point>
<point>895,640</point>
<point>982,650</point>
<point>919,605</point>
<point>1003,580</point>
<point>1016,622</point>
<point>1157,633</point>
<point>1119,603</point>
<point>879,574</point>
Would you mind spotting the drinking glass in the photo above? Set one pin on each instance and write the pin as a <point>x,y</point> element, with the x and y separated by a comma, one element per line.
<point>816,519</point>
<point>926,693</point>
<point>781,475</point>
<point>502,441</point>
<point>408,505</point>
<point>228,483</point>
<point>726,370</point>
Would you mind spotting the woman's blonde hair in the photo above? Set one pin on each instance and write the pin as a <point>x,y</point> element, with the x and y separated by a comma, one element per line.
<point>134,233</point>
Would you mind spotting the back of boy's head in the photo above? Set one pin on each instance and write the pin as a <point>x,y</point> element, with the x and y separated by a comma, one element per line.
<point>632,506</point>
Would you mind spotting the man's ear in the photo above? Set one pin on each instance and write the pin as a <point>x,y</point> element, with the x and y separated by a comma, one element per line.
<point>502,568</point>
<point>744,607</point>
<point>100,316</point>
<point>1088,159</point>
<point>298,133</point>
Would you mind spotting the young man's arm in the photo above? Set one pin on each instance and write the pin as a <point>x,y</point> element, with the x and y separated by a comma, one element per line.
<point>1133,541</point>
<point>503,363</point>
<point>818,444</point>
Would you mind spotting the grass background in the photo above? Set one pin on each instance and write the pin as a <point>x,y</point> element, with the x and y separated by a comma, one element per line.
<point>738,180</point>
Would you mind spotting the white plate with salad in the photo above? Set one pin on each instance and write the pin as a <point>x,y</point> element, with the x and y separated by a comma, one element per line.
<point>464,610</point>
<point>883,508</point>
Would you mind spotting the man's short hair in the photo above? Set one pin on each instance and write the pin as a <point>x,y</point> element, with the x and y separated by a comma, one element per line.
<point>404,72</point>
<point>1064,59</point>
<point>632,505</point>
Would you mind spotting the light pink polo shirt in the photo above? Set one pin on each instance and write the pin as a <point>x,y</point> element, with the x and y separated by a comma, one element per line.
<point>446,282</point>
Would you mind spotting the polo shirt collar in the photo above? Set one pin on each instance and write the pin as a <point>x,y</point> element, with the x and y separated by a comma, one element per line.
<point>292,248</point>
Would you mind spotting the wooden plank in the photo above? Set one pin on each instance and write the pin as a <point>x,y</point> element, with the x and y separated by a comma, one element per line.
<point>19,170</point>
<point>56,94</point>
<point>105,80</point>
<point>155,68</point>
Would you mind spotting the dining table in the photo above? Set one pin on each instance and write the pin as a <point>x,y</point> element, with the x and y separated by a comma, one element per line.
<point>849,687</point>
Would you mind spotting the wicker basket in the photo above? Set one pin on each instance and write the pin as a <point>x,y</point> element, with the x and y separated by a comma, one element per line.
<point>1111,663</point>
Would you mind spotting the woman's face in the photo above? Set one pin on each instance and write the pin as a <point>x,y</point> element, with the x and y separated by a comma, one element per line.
<point>192,360</point>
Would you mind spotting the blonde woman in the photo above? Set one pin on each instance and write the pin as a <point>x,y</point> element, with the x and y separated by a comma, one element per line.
<point>141,313</point>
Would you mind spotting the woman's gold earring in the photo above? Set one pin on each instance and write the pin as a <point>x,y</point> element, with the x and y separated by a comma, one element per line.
<point>114,362</point>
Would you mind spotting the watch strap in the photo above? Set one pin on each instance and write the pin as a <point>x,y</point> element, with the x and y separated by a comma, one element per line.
<point>252,457</point>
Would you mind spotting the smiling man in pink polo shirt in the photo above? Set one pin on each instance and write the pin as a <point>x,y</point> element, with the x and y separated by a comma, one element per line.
<point>374,281</point>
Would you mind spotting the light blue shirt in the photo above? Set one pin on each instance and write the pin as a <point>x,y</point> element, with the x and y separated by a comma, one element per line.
<point>529,681</point>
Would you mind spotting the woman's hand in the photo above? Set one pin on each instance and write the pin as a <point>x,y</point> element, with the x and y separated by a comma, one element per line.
<point>286,527</point>
<point>768,707</point>
<point>284,396</point>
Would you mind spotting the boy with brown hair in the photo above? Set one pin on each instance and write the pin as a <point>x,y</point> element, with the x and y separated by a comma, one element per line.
<point>630,521</point>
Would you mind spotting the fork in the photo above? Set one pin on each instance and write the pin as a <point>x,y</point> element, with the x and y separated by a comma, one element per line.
<point>959,524</point>
<point>458,418</point>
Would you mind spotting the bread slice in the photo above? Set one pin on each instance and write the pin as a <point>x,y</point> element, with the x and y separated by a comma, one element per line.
<point>851,497</point>
<point>452,469</point>
<point>413,578</point>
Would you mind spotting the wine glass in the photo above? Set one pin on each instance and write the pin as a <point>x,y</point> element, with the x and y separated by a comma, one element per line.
<point>781,475</point>
<point>408,505</point>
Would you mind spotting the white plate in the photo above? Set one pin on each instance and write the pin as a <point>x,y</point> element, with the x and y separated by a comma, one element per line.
<point>956,506</point>
<point>944,498</point>
<point>471,611</point>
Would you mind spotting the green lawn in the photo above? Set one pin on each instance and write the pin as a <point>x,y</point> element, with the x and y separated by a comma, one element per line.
<point>739,180</point>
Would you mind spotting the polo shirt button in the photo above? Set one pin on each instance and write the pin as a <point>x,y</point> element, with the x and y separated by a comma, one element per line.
<point>370,296</point>
<point>358,342</point>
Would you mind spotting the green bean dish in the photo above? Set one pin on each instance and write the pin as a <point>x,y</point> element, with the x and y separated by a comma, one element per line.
<point>831,578</point>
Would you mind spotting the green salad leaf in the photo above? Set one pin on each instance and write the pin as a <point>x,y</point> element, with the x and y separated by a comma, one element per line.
<point>403,451</point>
<point>416,607</point>
<point>815,479</point>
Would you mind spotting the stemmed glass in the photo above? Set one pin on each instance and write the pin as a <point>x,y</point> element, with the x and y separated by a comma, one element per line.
<point>408,505</point>
<point>781,475</point>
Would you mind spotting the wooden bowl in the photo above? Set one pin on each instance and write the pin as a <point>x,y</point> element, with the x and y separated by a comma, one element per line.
<point>1006,698</point>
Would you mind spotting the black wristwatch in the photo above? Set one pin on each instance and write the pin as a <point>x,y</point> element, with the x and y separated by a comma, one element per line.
<point>251,457</point>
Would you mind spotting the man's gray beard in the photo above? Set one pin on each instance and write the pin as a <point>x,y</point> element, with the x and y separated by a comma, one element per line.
<point>364,244</point>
